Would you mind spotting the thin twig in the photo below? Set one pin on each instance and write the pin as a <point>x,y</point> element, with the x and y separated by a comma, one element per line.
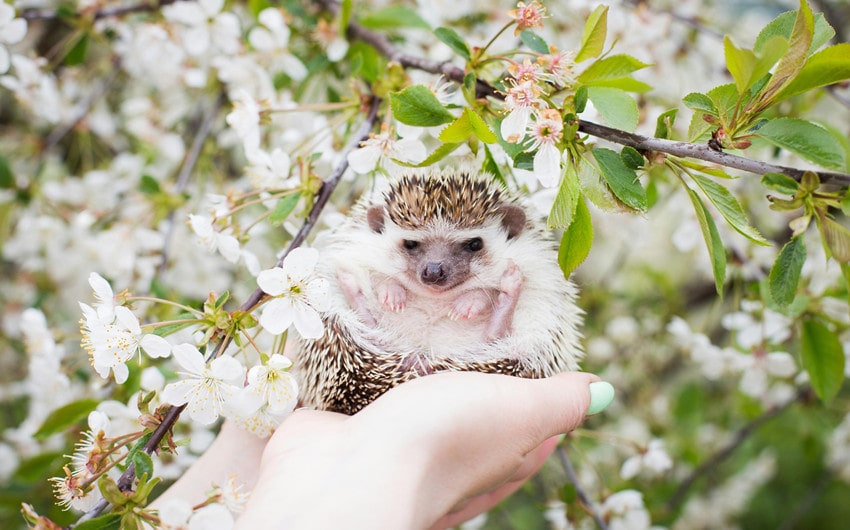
<point>328,186</point>
<point>726,451</point>
<point>82,109</point>
<point>582,495</point>
<point>683,149</point>
<point>189,163</point>
<point>107,12</point>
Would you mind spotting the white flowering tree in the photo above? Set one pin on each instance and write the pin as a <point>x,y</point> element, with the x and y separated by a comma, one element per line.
<point>165,164</point>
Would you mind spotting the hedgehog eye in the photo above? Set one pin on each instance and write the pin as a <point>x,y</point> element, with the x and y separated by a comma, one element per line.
<point>410,244</point>
<point>474,245</point>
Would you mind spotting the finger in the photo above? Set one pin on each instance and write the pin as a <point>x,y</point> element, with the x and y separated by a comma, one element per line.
<point>486,501</point>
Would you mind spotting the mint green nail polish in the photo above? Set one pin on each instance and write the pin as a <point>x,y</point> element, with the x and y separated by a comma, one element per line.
<point>601,395</point>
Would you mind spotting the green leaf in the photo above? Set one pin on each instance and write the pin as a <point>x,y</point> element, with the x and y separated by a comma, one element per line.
<point>622,180</point>
<point>611,67</point>
<point>664,124</point>
<point>7,177</point>
<point>344,15</point>
<point>729,208</point>
<point>837,239</point>
<point>365,61</point>
<point>580,99</point>
<point>795,57</point>
<point>35,468</point>
<point>110,521</point>
<point>564,205</point>
<point>453,40</point>
<point>781,183</point>
<point>149,185</point>
<point>595,32</point>
<point>699,130</point>
<point>828,66</point>
<point>700,102</point>
<point>785,273</point>
<point>143,464</point>
<point>417,105</point>
<point>823,358</point>
<point>595,189</point>
<point>491,166</point>
<point>804,138</point>
<point>393,17</point>
<point>724,98</point>
<point>716,250</point>
<point>740,62</point>
<point>283,208</point>
<point>467,124</point>
<point>534,41</point>
<point>111,492</point>
<point>617,108</point>
<point>576,241</point>
<point>64,417</point>
<point>439,153</point>
<point>632,157</point>
<point>629,84</point>
<point>480,128</point>
<point>782,26</point>
<point>77,54</point>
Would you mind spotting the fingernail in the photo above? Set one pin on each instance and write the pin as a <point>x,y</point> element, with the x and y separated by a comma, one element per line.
<point>601,395</point>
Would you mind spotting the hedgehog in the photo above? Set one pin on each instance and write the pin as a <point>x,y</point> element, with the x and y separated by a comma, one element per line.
<point>445,270</point>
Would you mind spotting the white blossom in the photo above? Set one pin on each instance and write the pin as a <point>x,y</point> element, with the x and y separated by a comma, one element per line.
<point>379,149</point>
<point>105,305</point>
<point>213,240</point>
<point>274,384</point>
<point>111,344</point>
<point>12,31</point>
<point>206,389</point>
<point>298,296</point>
<point>654,461</point>
<point>625,511</point>
<point>271,38</point>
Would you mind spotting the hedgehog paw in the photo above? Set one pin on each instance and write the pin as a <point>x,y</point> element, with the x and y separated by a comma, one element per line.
<point>469,305</point>
<point>393,296</point>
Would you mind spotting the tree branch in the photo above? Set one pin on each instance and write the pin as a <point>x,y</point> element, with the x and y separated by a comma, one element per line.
<point>107,12</point>
<point>702,152</point>
<point>726,451</point>
<point>582,495</point>
<point>645,143</point>
<point>186,169</point>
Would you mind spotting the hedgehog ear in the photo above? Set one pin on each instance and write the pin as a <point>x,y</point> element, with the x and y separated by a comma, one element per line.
<point>513,219</point>
<point>375,218</point>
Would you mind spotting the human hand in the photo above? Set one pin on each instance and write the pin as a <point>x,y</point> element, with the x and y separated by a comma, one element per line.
<point>430,453</point>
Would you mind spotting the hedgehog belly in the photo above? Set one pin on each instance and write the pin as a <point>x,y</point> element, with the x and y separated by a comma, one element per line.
<point>336,374</point>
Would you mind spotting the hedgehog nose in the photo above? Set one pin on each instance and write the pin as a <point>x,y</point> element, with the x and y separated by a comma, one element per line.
<point>434,273</point>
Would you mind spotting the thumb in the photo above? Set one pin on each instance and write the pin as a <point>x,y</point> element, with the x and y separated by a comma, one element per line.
<point>558,404</point>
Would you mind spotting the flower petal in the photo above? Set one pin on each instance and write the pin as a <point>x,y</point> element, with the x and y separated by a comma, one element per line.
<point>547,165</point>
<point>155,346</point>
<point>300,263</point>
<point>273,281</point>
<point>189,358</point>
<point>277,316</point>
<point>308,322</point>
<point>128,320</point>
<point>365,159</point>
<point>226,368</point>
<point>514,125</point>
<point>178,392</point>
